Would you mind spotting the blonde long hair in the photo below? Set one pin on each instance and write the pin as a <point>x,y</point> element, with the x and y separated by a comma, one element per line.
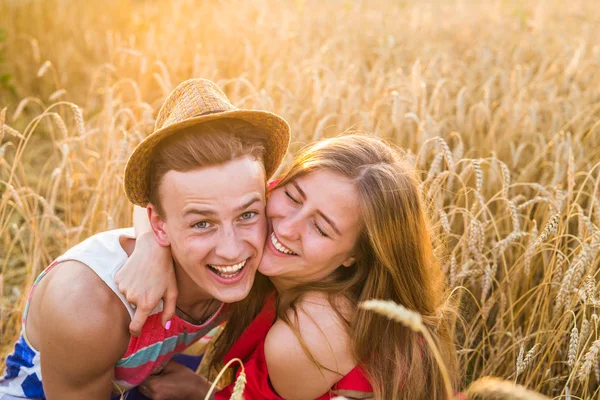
<point>394,261</point>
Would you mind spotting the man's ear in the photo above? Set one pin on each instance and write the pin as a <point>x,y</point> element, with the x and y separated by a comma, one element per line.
<point>158,226</point>
<point>348,262</point>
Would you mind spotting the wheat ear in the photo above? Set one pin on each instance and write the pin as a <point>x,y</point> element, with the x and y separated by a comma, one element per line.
<point>411,320</point>
<point>240,382</point>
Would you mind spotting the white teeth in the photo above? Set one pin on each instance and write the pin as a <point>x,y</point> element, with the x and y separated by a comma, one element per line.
<point>279,246</point>
<point>228,271</point>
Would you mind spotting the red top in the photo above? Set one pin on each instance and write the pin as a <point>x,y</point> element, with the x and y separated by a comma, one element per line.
<point>250,348</point>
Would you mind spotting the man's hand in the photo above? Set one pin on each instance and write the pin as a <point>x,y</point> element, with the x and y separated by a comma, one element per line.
<point>146,278</point>
<point>175,382</point>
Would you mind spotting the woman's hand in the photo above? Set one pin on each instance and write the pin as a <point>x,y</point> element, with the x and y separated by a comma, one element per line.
<point>146,278</point>
<point>175,382</point>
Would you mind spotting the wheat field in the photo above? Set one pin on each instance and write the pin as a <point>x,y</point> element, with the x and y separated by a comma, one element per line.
<point>497,101</point>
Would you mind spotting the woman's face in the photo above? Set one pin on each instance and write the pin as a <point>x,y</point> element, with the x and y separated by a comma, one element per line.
<point>313,227</point>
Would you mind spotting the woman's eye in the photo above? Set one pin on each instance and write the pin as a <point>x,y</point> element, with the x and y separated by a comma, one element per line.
<point>202,225</point>
<point>291,198</point>
<point>248,215</point>
<point>320,230</point>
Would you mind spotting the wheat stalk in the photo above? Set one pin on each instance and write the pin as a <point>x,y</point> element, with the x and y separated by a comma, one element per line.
<point>573,343</point>
<point>240,383</point>
<point>413,321</point>
<point>44,68</point>
<point>590,359</point>
<point>524,362</point>
<point>549,229</point>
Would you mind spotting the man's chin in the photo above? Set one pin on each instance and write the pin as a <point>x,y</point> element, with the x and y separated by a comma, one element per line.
<point>233,293</point>
<point>232,297</point>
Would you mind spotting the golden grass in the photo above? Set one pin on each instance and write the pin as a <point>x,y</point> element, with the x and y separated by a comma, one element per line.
<point>499,101</point>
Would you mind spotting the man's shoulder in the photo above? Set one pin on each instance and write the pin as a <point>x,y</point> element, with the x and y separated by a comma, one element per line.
<point>72,283</point>
<point>74,302</point>
<point>78,325</point>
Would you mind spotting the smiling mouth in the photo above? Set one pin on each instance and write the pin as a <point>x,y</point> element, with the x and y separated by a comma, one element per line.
<point>280,247</point>
<point>228,271</point>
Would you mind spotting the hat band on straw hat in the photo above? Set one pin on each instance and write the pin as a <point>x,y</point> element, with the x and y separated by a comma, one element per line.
<point>192,103</point>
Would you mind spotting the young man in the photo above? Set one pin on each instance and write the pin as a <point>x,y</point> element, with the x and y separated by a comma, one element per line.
<point>202,176</point>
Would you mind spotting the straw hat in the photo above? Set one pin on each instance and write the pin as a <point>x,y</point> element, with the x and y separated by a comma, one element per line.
<point>193,102</point>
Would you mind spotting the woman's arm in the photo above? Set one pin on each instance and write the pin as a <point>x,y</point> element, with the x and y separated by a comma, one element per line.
<point>147,276</point>
<point>141,223</point>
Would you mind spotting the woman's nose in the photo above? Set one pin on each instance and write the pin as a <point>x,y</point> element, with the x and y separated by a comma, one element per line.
<point>289,226</point>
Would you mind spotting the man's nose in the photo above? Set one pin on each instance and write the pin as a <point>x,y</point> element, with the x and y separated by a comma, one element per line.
<point>229,246</point>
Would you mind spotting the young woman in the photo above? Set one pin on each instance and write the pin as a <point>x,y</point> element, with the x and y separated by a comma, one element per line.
<point>346,224</point>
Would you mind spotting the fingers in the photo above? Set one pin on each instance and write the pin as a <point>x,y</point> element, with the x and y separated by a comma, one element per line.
<point>173,366</point>
<point>118,279</point>
<point>141,313</point>
<point>169,303</point>
<point>144,304</point>
<point>121,280</point>
<point>139,318</point>
<point>159,387</point>
<point>146,389</point>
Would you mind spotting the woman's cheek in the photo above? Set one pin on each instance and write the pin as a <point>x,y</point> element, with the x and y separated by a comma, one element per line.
<point>280,202</point>
<point>312,251</point>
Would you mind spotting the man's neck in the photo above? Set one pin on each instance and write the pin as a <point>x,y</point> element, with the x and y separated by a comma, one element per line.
<point>191,298</point>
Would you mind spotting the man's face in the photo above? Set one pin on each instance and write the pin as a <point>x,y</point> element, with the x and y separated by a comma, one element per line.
<point>214,220</point>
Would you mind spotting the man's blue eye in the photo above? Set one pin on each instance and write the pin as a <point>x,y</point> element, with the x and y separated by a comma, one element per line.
<point>202,225</point>
<point>248,215</point>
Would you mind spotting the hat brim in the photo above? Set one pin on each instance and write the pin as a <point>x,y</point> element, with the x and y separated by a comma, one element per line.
<point>276,134</point>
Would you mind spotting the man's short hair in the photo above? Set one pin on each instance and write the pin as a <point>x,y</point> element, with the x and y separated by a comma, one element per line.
<point>211,143</point>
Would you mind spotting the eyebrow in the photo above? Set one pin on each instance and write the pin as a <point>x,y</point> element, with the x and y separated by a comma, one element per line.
<point>325,217</point>
<point>210,213</point>
<point>197,211</point>
<point>247,204</point>
<point>299,189</point>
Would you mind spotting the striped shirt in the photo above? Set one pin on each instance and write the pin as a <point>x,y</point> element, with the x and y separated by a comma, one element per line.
<point>145,355</point>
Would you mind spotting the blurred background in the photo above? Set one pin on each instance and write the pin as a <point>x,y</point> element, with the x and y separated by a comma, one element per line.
<point>497,101</point>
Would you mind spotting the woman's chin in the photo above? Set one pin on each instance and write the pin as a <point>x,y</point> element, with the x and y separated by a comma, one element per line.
<point>265,271</point>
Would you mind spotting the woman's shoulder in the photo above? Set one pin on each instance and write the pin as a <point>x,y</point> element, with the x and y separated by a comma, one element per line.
<point>315,310</point>
<point>315,348</point>
<point>321,304</point>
